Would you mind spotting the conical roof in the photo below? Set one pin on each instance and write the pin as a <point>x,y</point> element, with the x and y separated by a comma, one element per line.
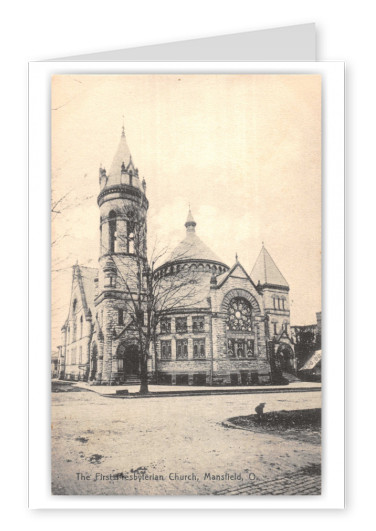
<point>192,247</point>
<point>122,160</point>
<point>265,271</point>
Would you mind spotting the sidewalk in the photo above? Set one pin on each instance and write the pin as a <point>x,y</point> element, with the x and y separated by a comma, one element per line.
<point>181,390</point>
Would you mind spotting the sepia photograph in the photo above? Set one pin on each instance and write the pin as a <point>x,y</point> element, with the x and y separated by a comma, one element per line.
<point>186,284</point>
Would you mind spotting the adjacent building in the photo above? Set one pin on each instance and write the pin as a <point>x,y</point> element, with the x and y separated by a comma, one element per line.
<point>307,346</point>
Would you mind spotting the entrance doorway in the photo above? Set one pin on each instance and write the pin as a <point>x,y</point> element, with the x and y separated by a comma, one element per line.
<point>285,356</point>
<point>128,360</point>
<point>244,377</point>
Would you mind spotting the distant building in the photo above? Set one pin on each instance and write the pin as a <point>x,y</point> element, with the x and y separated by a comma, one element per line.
<point>236,330</point>
<point>54,364</point>
<point>307,341</point>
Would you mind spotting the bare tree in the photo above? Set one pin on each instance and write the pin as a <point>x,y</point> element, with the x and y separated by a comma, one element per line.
<point>151,293</point>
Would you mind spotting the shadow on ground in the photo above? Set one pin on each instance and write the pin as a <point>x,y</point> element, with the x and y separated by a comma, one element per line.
<point>65,387</point>
<point>302,424</point>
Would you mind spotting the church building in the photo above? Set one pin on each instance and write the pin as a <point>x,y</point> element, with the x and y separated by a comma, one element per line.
<point>224,326</point>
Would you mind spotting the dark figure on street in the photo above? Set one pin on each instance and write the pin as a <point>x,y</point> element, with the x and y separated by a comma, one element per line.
<point>260,411</point>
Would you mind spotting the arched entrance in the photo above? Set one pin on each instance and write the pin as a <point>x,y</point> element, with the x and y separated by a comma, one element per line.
<point>94,362</point>
<point>285,358</point>
<point>128,360</point>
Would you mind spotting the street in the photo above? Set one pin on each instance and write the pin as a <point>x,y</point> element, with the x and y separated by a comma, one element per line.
<point>174,445</point>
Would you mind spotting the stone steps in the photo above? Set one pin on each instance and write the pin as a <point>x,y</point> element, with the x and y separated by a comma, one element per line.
<point>133,380</point>
<point>290,377</point>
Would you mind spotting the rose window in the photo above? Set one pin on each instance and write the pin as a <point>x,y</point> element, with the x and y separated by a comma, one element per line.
<point>239,315</point>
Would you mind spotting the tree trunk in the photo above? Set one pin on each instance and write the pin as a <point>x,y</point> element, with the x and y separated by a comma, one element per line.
<point>144,388</point>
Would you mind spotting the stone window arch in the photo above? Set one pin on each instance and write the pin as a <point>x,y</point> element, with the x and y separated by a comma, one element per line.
<point>242,293</point>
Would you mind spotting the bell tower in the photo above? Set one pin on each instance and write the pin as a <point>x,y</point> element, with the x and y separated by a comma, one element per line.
<point>123,224</point>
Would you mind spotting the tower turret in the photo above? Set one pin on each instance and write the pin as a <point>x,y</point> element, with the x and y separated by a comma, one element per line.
<point>123,210</point>
<point>123,206</point>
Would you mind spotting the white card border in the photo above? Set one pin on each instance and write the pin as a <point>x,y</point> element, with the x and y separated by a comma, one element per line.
<point>333,287</point>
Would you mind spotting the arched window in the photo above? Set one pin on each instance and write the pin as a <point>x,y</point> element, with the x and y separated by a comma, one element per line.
<point>112,231</point>
<point>81,325</point>
<point>283,304</point>
<point>274,303</point>
<point>130,237</point>
<point>239,315</point>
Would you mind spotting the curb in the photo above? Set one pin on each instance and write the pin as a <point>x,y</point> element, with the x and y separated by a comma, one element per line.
<point>212,393</point>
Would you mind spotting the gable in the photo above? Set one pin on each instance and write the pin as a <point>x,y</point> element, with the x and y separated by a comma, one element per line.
<point>239,272</point>
<point>82,291</point>
<point>236,272</point>
<point>76,301</point>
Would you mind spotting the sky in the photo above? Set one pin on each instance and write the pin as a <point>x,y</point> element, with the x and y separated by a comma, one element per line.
<point>243,150</point>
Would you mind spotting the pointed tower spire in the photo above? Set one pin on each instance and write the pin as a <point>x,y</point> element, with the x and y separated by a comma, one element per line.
<point>190,223</point>
<point>123,164</point>
<point>266,272</point>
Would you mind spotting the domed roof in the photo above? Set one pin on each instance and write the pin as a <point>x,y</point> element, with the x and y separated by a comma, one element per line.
<point>192,247</point>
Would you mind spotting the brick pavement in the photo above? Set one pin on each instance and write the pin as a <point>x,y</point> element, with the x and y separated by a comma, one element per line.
<point>295,484</point>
